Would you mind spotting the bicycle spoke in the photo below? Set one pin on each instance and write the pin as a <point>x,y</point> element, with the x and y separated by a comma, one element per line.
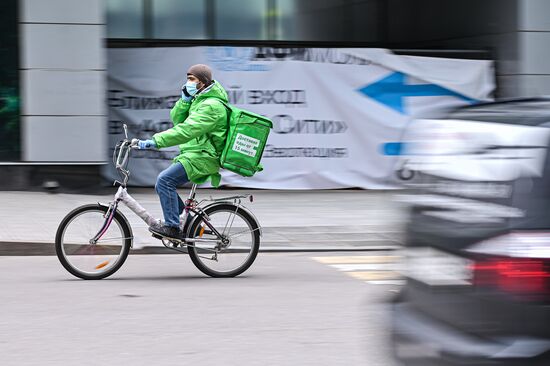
<point>227,222</point>
<point>232,221</point>
<point>116,238</point>
<point>242,232</point>
<point>84,249</point>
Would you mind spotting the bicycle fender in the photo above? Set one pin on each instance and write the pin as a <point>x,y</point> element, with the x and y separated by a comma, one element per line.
<point>241,207</point>
<point>123,218</point>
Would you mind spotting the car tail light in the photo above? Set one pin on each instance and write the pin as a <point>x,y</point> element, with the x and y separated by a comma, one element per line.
<point>529,277</point>
<point>517,264</point>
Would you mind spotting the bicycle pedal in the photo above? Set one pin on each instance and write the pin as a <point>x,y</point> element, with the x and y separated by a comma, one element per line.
<point>156,236</point>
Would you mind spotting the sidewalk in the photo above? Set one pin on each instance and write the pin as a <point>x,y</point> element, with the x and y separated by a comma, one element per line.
<point>291,220</point>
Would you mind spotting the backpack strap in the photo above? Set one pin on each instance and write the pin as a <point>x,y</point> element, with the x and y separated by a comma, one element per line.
<point>222,102</point>
<point>227,107</point>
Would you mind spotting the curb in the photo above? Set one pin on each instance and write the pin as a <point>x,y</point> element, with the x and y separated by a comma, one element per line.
<point>48,249</point>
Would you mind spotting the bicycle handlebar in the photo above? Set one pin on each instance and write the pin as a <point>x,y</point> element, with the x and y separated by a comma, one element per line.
<point>123,153</point>
<point>124,148</point>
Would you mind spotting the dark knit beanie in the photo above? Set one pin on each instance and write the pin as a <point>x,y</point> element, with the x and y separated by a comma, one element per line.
<point>201,72</point>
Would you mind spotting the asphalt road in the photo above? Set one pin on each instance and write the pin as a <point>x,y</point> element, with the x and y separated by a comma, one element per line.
<point>288,309</point>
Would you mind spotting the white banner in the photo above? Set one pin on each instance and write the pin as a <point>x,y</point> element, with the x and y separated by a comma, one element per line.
<point>334,110</point>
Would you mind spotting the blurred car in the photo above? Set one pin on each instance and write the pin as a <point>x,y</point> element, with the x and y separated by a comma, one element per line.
<point>477,253</point>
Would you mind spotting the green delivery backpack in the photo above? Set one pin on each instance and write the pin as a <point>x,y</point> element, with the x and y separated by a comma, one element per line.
<point>246,140</point>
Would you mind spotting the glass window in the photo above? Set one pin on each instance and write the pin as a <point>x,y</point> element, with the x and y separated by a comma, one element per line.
<point>241,19</point>
<point>177,19</point>
<point>9,83</point>
<point>125,18</point>
<point>285,20</point>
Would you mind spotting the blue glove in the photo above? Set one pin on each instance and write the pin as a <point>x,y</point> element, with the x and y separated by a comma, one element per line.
<point>185,96</point>
<point>146,144</point>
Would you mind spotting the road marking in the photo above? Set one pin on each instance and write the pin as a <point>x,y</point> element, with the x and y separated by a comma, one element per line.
<point>365,267</point>
<point>357,259</point>
<point>372,269</point>
<point>374,275</point>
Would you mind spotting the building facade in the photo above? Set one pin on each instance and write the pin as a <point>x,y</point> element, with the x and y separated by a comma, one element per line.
<point>53,74</point>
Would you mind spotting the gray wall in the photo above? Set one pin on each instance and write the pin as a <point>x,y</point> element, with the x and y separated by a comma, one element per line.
<point>515,32</point>
<point>489,25</point>
<point>533,73</point>
<point>337,20</point>
<point>63,81</point>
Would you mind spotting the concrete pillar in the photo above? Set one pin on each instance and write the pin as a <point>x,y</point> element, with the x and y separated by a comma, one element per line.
<point>63,72</point>
<point>533,77</point>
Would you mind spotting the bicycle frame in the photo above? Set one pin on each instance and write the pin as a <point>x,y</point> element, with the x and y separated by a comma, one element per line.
<point>191,205</point>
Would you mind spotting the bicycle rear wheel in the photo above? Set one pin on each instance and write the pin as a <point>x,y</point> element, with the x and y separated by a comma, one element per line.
<point>242,234</point>
<point>84,258</point>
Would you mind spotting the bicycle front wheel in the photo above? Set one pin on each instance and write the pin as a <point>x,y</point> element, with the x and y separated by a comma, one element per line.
<point>240,234</point>
<point>83,257</point>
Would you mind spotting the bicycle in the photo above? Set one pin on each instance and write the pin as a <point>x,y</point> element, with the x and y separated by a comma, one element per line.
<point>222,238</point>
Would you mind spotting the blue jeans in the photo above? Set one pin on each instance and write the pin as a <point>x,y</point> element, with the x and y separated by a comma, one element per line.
<point>171,203</point>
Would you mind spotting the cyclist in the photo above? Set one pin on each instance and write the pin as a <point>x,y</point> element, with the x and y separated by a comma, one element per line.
<point>200,130</point>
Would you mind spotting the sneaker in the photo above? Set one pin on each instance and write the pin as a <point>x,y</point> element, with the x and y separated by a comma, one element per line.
<point>168,232</point>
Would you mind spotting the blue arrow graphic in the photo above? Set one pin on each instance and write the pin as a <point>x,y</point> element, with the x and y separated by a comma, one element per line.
<point>392,89</point>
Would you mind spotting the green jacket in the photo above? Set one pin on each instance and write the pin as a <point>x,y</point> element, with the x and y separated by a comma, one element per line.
<point>200,130</point>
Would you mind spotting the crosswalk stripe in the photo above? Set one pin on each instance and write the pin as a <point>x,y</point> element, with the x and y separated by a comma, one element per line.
<point>387,282</point>
<point>357,259</point>
<point>364,267</point>
<point>372,269</point>
<point>374,276</point>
